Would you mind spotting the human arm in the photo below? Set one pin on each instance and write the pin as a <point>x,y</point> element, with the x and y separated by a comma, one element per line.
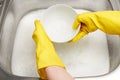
<point>57,73</point>
<point>48,62</point>
<point>106,21</point>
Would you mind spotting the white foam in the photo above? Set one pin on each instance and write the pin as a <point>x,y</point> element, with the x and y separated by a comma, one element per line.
<point>88,57</point>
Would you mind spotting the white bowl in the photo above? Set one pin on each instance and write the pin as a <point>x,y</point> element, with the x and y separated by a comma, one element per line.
<point>57,21</point>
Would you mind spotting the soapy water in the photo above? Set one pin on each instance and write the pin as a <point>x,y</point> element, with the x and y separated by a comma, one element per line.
<point>87,57</point>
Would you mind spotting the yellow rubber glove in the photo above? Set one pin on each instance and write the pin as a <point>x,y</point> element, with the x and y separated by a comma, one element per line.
<point>45,52</point>
<point>107,21</point>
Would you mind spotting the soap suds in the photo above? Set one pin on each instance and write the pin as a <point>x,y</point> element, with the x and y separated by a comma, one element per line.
<point>88,57</point>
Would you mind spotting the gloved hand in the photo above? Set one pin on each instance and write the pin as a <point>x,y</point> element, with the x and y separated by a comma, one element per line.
<point>45,52</point>
<point>107,21</point>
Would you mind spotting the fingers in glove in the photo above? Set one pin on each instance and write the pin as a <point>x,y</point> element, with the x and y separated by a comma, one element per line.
<point>76,23</point>
<point>39,31</point>
<point>78,36</point>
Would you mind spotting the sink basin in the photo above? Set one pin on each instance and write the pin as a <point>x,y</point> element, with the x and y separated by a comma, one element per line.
<point>104,49</point>
<point>86,58</point>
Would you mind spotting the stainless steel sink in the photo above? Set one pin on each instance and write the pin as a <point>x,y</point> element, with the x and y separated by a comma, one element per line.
<point>18,8</point>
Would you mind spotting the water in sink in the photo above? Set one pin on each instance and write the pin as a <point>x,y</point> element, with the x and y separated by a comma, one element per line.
<point>88,57</point>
